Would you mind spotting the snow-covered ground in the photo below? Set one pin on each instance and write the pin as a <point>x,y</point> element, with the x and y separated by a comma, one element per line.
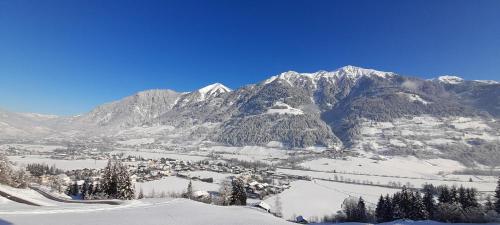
<point>393,166</point>
<point>172,184</point>
<point>144,212</point>
<point>319,198</point>
<point>487,185</point>
<point>59,163</point>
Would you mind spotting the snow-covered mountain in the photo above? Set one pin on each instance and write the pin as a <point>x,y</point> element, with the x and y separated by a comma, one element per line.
<point>335,109</point>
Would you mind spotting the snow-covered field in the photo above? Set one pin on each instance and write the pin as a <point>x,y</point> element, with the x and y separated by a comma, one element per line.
<point>61,164</point>
<point>144,212</point>
<point>173,185</point>
<point>394,166</point>
<point>380,180</point>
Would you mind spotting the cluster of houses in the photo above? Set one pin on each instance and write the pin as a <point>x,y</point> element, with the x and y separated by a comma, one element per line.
<point>79,152</point>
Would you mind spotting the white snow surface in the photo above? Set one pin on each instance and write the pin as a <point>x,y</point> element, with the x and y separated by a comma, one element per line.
<point>59,163</point>
<point>450,79</point>
<point>143,212</point>
<point>213,90</point>
<point>283,108</point>
<point>173,184</point>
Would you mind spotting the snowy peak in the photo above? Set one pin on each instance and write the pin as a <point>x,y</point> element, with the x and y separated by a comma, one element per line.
<point>353,71</point>
<point>346,72</point>
<point>213,90</point>
<point>450,79</point>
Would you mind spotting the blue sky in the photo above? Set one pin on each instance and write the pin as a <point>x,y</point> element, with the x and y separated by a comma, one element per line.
<point>66,57</point>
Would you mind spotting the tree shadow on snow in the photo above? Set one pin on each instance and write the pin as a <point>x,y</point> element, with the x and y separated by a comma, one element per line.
<point>5,222</point>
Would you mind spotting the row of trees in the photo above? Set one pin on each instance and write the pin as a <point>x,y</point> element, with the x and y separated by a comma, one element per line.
<point>453,205</point>
<point>39,169</point>
<point>443,203</point>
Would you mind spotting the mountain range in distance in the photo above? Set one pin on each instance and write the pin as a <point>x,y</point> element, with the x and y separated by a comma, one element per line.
<point>349,108</point>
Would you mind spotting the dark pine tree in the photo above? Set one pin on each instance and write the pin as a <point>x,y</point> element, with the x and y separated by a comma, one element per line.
<point>389,209</point>
<point>396,202</point>
<point>418,211</point>
<point>489,205</point>
<point>470,198</point>
<point>380,210</point>
<point>405,203</point>
<point>189,191</point>
<point>238,195</point>
<point>454,194</point>
<point>444,195</point>
<point>362,215</point>
<point>429,202</point>
<point>462,197</point>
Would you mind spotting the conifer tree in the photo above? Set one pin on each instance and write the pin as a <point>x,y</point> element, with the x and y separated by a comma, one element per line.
<point>429,203</point>
<point>189,191</point>
<point>444,195</point>
<point>489,205</point>
<point>116,181</point>
<point>109,180</point>
<point>497,196</point>
<point>361,213</point>
<point>404,203</point>
<point>389,209</point>
<point>125,187</point>
<point>462,197</point>
<point>417,211</point>
<point>380,210</point>
<point>238,195</point>
<point>454,194</point>
<point>471,198</point>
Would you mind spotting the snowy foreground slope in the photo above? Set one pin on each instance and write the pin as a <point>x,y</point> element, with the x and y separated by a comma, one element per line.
<point>406,222</point>
<point>143,212</point>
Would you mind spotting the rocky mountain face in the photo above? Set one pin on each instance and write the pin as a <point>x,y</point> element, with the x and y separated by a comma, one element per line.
<point>298,110</point>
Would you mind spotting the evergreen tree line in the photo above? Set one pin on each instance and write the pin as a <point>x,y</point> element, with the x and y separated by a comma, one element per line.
<point>355,210</point>
<point>40,169</point>
<point>115,184</point>
<point>453,205</point>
